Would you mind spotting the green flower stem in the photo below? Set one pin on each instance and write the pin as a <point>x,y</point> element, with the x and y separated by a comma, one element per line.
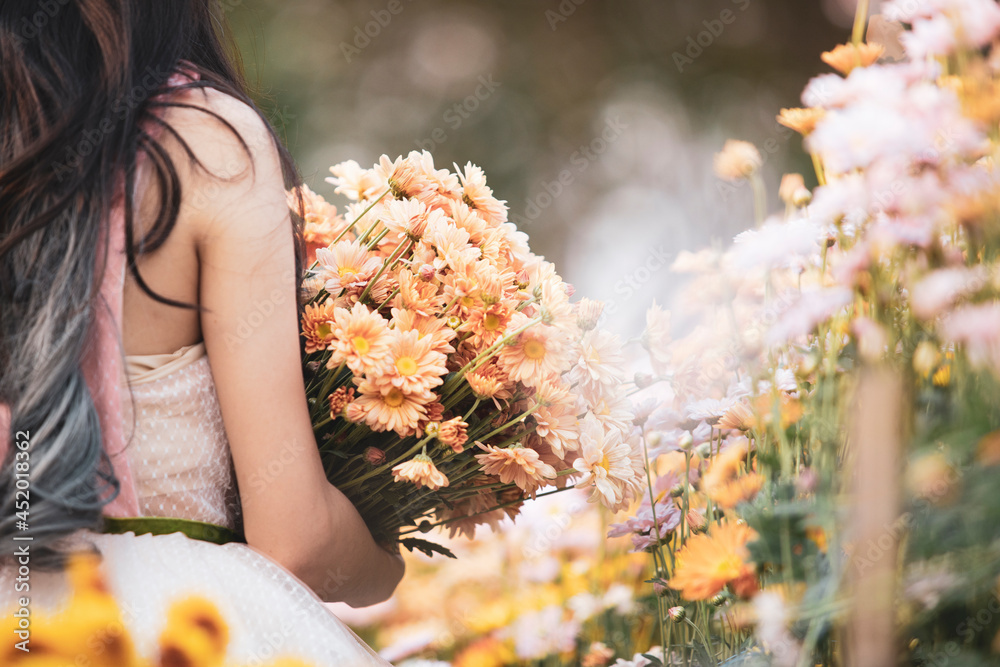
<point>362,238</point>
<point>387,466</point>
<point>386,264</point>
<point>486,511</point>
<point>517,420</point>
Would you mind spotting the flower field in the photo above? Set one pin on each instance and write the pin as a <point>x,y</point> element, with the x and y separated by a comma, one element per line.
<point>817,408</point>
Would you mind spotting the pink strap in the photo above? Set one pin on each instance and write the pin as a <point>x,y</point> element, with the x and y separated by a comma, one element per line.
<point>103,363</point>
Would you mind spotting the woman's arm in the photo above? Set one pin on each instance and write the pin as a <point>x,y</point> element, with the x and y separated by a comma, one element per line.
<point>247,284</point>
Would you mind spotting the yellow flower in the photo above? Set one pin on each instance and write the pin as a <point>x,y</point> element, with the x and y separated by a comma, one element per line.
<point>486,652</point>
<point>196,634</point>
<point>709,562</point>
<point>89,630</point>
<point>942,378</point>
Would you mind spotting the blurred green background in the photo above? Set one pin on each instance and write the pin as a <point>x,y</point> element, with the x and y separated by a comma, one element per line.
<point>595,120</point>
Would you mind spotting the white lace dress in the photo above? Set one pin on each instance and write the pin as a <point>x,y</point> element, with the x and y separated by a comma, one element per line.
<point>182,467</point>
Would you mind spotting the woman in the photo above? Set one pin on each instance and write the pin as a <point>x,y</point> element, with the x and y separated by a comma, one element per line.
<point>127,140</point>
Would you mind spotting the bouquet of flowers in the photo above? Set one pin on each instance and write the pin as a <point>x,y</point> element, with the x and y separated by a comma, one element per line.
<point>450,376</point>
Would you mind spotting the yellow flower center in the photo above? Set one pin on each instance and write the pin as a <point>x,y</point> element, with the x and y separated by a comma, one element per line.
<point>394,398</point>
<point>468,301</point>
<point>345,271</point>
<point>323,330</point>
<point>533,349</point>
<point>729,568</point>
<point>605,463</point>
<point>361,344</point>
<point>406,366</point>
<point>491,322</point>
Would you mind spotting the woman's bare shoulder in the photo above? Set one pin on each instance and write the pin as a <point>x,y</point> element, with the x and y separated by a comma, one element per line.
<point>236,163</point>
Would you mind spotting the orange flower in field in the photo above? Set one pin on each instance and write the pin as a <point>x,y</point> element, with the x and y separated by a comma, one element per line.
<point>536,354</point>
<point>790,409</point>
<point>389,409</point>
<point>725,467</point>
<point>317,325</point>
<point>845,57</point>
<point>360,338</point>
<point>739,417</point>
<point>517,464</point>
<point>421,471</point>
<point>709,562</point>
<point>413,366</point>
<point>740,490</point>
<point>802,121</point>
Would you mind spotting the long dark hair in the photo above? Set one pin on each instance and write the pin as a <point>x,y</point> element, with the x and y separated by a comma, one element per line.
<point>79,81</point>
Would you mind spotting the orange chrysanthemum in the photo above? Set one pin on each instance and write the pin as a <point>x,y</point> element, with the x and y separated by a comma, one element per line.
<point>740,490</point>
<point>413,366</point>
<point>486,324</point>
<point>417,295</point>
<point>421,471</point>
<point>346,265</point>
<point>537,353</point>
<point>388,410</point>
<point>709,562</point>
<point>802,121</point>
<point>517,464</point>
<point>441,334</point>
<point>452,433</point>
<point>845,57</point>
<point>489,382</point>
<point>317,325</point>
<point>361,339</point>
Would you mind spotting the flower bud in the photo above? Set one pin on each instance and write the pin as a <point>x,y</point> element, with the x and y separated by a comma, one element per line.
<point>704,450</point>
<point>374,456</point>
<point>737,161</point>
<point>719,599</point>
<point>677,490</point>
<point>588,313</point>
<point>643,380</point>
<point>677,614</point>
<point>654,439</point>
<point>790,184</point>
<point>926,358</point>
<point>685,441</point>
<point>453,321</point>
<point>660,589</point>
<point>427,272</point>
<point>432,429</point>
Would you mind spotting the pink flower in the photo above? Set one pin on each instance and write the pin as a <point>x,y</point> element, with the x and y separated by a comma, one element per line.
<point>942,288</point>
<point>805,315</point>
<point>774,244</point>
<point>978,328</point>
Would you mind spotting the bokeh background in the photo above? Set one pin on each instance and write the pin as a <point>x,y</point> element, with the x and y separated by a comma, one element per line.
<point>595,120</point>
